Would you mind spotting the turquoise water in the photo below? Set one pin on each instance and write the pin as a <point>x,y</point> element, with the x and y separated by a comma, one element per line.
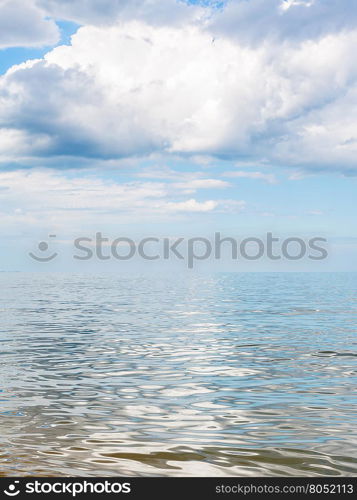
<point>229,374</point>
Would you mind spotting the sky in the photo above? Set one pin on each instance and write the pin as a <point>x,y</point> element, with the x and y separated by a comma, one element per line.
<point>167,118</point>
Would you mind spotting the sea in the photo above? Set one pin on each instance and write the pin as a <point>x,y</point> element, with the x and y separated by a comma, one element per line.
<point>226,374</point>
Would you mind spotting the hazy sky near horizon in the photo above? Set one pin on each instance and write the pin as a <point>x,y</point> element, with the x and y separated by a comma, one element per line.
<point>168,118</point>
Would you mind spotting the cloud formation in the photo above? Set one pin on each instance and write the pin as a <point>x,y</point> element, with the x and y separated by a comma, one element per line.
<point>110,12</point>
<point>23,24</point>
<point>264,81</point>
<point>287,21</point>
<point>269,178</point>
<point>36,198</point>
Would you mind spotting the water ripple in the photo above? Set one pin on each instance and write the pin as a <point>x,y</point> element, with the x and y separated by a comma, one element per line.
<point>231,374</point>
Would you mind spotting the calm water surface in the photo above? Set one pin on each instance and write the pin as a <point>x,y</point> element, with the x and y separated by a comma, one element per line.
<point>229,374</point>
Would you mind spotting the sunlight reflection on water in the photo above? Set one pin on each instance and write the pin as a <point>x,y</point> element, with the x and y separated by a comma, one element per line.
<point>229,374</point>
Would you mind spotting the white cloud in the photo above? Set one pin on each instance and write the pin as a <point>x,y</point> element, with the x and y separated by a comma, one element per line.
<point>164,172</point>
<point>34,198</point>
<point>298,175</point>
<point>134,88</point>
<point>109,12</point>
<point>187,182</point>
<point>191,206</point>
<point>231,206</point>
<point>23,24</point>
<point>193,185</point>
<point>315,212</point>
<point>20,141</point>
<point>287,21</point>
<point>270,178</point>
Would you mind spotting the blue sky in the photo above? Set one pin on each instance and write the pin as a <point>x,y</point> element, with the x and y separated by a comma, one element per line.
<point>170,119</point>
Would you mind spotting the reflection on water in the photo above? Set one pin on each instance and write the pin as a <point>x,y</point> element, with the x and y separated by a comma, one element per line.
<point>231,374</point>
